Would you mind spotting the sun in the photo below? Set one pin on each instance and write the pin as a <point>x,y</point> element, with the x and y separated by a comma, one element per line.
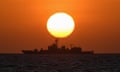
<point>60,25</point>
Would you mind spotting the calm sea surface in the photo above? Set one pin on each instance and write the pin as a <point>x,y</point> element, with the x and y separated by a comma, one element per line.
<point>59,63</point>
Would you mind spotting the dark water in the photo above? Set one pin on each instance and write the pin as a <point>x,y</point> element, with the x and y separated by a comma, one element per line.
<point>59,63</point>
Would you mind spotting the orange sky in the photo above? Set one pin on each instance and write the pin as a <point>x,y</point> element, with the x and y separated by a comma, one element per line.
<point>23,24</point>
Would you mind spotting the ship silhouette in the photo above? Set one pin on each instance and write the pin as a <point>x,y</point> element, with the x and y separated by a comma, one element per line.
<point>54,49</point>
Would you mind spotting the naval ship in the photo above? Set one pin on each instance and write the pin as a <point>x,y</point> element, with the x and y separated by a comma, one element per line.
<point>54,49</point>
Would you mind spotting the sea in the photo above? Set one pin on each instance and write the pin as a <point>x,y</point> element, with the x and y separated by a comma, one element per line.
<point>59,63</point>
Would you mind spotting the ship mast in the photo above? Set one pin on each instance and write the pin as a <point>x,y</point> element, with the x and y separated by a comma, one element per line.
<point>56,42</point>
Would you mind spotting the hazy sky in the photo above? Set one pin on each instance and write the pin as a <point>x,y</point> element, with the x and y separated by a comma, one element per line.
<point>23,24</point>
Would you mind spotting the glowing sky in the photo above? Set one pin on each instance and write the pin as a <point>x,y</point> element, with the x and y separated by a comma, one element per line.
<point>23,24</point>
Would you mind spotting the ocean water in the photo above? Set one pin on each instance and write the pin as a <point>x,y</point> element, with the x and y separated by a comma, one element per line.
<point>59,63</point>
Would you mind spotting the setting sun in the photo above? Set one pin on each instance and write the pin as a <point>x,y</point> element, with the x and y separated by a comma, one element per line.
<point>60,25</point>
